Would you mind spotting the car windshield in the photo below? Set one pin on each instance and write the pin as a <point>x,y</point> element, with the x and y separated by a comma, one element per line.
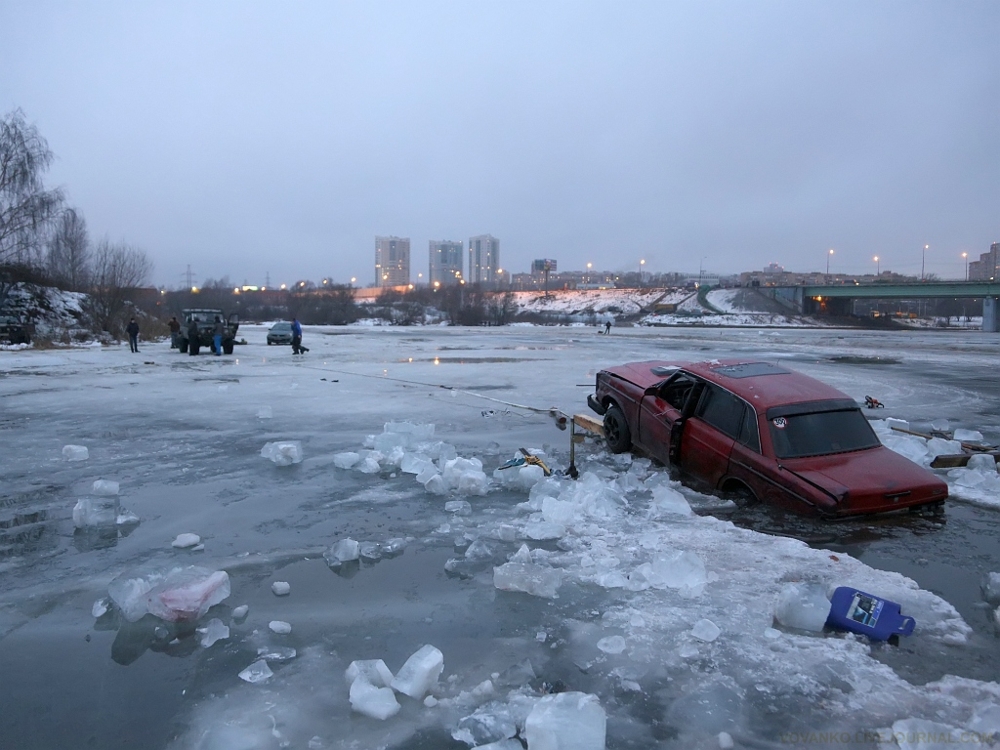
<point>821,433</point>
<point>281,327</point>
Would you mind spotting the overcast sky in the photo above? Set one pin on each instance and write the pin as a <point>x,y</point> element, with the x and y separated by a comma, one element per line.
<point>249,138</point>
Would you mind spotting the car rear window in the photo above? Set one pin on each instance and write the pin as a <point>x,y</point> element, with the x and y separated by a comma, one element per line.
<point>821,433</point>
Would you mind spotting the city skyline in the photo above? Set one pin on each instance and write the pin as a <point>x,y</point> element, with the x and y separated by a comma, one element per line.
<point>682,134</point>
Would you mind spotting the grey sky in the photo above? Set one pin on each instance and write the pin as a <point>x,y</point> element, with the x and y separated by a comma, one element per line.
<point>246,138</point>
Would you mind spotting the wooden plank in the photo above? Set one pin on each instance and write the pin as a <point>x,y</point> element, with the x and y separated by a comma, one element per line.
<point>954,460</point>
<point>589,423</point>
<point>974,447</point>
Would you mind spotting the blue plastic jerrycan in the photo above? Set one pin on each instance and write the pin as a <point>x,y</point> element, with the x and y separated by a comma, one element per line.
<point>867,614</point>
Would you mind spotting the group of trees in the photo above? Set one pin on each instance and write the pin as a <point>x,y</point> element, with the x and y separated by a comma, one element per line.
<point>45,241</point>
<point>460,304</point>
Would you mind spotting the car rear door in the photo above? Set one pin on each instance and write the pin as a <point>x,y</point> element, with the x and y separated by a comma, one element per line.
<point>709,436</point>
<point>660,409</point>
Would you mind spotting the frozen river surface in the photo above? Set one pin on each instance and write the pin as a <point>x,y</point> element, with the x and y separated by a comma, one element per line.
<point>622,575</point>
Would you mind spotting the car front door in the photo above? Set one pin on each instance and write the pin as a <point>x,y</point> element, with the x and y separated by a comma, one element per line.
<point>709,436</point>
<point>661,407</point>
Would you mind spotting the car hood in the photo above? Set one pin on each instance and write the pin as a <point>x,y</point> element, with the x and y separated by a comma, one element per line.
<point>642,374</point>
<point>868,481</point>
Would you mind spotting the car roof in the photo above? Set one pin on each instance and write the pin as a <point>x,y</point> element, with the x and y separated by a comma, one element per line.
<point>763,384</point>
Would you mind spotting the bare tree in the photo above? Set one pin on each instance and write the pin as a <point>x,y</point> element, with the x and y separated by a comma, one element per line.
<point>118,270</point>
<point>26,206</point>
<point>69,251</point>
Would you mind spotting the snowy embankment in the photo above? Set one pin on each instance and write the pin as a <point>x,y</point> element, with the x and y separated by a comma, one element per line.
<point>57,315</point>
<point>977,483</point>
<point>607,304</point>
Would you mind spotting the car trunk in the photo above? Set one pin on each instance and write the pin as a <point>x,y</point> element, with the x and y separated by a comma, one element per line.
<point>880,480</point>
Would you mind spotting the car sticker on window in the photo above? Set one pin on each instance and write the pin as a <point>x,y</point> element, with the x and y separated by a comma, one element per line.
<point>780,423</point>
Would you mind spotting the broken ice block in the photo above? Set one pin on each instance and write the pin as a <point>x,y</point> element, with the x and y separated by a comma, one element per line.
<point>373,670</point>
<point>982,462</point>
<point>264,412</point>
<point>346,460</point>
<point>679,570</point>
<point>75,452</point>
<point>705,630</point>
<point>186,540</point>
<point>436,485</point>
<point>536,580</point>
<point>256,672</point>
<point>188,593</point>
<point>377,702</point>
<point>416,677</point>
<point>105,487</point>
<point>458,507</point>
<point>283,453</point>
<point>942,447</point>
<point>281,588</point>
<point>342,551</point>
<point>280,627</point>
<point>368,466</point>
<point>566,721</point>
<point>991,587</point>
<point>668,500</point>
<point>99,608</point>
<point>803,606</point>
<point>491,723</point>
<point>276,653</point>
<point>394,547</point>
<point>613,644</point>
<point>212,632</point>
<point>241,611</point>
<point>370,551</point>
<point>967,436</point>
<point>414,463</point>
<point>95,511</point>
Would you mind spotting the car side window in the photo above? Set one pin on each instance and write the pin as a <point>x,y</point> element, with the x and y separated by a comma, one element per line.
<point>676,390</point>
<point>749,435</point>
<point>722,410</point>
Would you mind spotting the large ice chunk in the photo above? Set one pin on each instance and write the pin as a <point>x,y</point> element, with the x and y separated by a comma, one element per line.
<point>566,721</point>
<point>178,595</point>
<point>942,447</point>
<point>283,453</point>
<point>183,541</point>
<point>346,460</point>
<point>668,500</point>
<point>105,488</point>
<point>679,570</point>
<point>75,452</point>
<point>377,702</point>
<point>967,436</point>
<point>373,670</point>
<point>803,605</point>
<point>490,723</point>
<point>982,462</point>
<point>536,580</point>
<point>342,551</point>
<point>420,672</point>
<point>95,511</point>
<point>705,630</point>
<point>214,631</point>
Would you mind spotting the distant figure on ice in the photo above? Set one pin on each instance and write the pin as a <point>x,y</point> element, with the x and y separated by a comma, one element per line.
<point>217,334</point>
<point>297,347</point>
<point>607,327</point>
<point>132,329</point>
<point>175,333</point>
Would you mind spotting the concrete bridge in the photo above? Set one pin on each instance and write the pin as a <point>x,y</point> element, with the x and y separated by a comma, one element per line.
<point>837,299</point>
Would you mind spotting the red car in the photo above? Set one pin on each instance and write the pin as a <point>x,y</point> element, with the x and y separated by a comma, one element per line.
<point>757,431</point>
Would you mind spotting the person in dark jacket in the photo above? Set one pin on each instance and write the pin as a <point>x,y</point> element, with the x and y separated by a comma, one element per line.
<point>297,347</point>
<point>217,333</point>
<point>132,329</point>
<point>175,333</point>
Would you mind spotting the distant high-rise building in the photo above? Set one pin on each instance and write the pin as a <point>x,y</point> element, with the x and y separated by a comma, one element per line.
<point>445,262</point>
<point>392,261</point>
<point>987,268</point>
<point>484,259</point>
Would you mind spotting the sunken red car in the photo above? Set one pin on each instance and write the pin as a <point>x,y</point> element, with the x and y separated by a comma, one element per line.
<point>756,431</point>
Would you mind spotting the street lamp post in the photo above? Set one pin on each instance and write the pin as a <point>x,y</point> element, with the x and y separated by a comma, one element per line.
<point>965,257</point>
<point>589,266</point>
<point>828,254</point>
<point>641,264</point>
<point>878,268</point>
<point>923,257</point>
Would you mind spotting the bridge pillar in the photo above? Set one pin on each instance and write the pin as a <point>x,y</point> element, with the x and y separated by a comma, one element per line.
<point>991,314</point>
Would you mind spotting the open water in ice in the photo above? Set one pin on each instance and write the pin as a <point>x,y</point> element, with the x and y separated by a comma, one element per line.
<point>182,436</point>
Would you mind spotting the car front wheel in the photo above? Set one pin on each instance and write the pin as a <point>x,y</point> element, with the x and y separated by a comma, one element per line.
<point>616,430</point>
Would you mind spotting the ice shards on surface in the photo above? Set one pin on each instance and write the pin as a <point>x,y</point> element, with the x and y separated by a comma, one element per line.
<point>374,671</point>
<point>346,460</point>
<point>181,594</point>
<point>184,541</point>
<point>613,644</point>
<point>803,605</point>
<point>283,453</point>
<point>377,702</point>
<point>105,488</point>
<point>345,550</point>
<point>95,511</point>
<point>256,672</point>
<point>490,723</point>
<point>522,575</point>
<point>212,632</point>
<point>75,452</point>
<point>705,630</point>
<point>680,570</point>
<point>668,500</point>
<point>418,675</point>
<point>566,720</point>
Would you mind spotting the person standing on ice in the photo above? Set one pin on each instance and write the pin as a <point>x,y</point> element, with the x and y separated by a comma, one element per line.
<point>175,332</point>
<point>217,334</point>
<point>132,329</point>
<point>193,336</point>
<point>297,347</point>
<point>607,326</point>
